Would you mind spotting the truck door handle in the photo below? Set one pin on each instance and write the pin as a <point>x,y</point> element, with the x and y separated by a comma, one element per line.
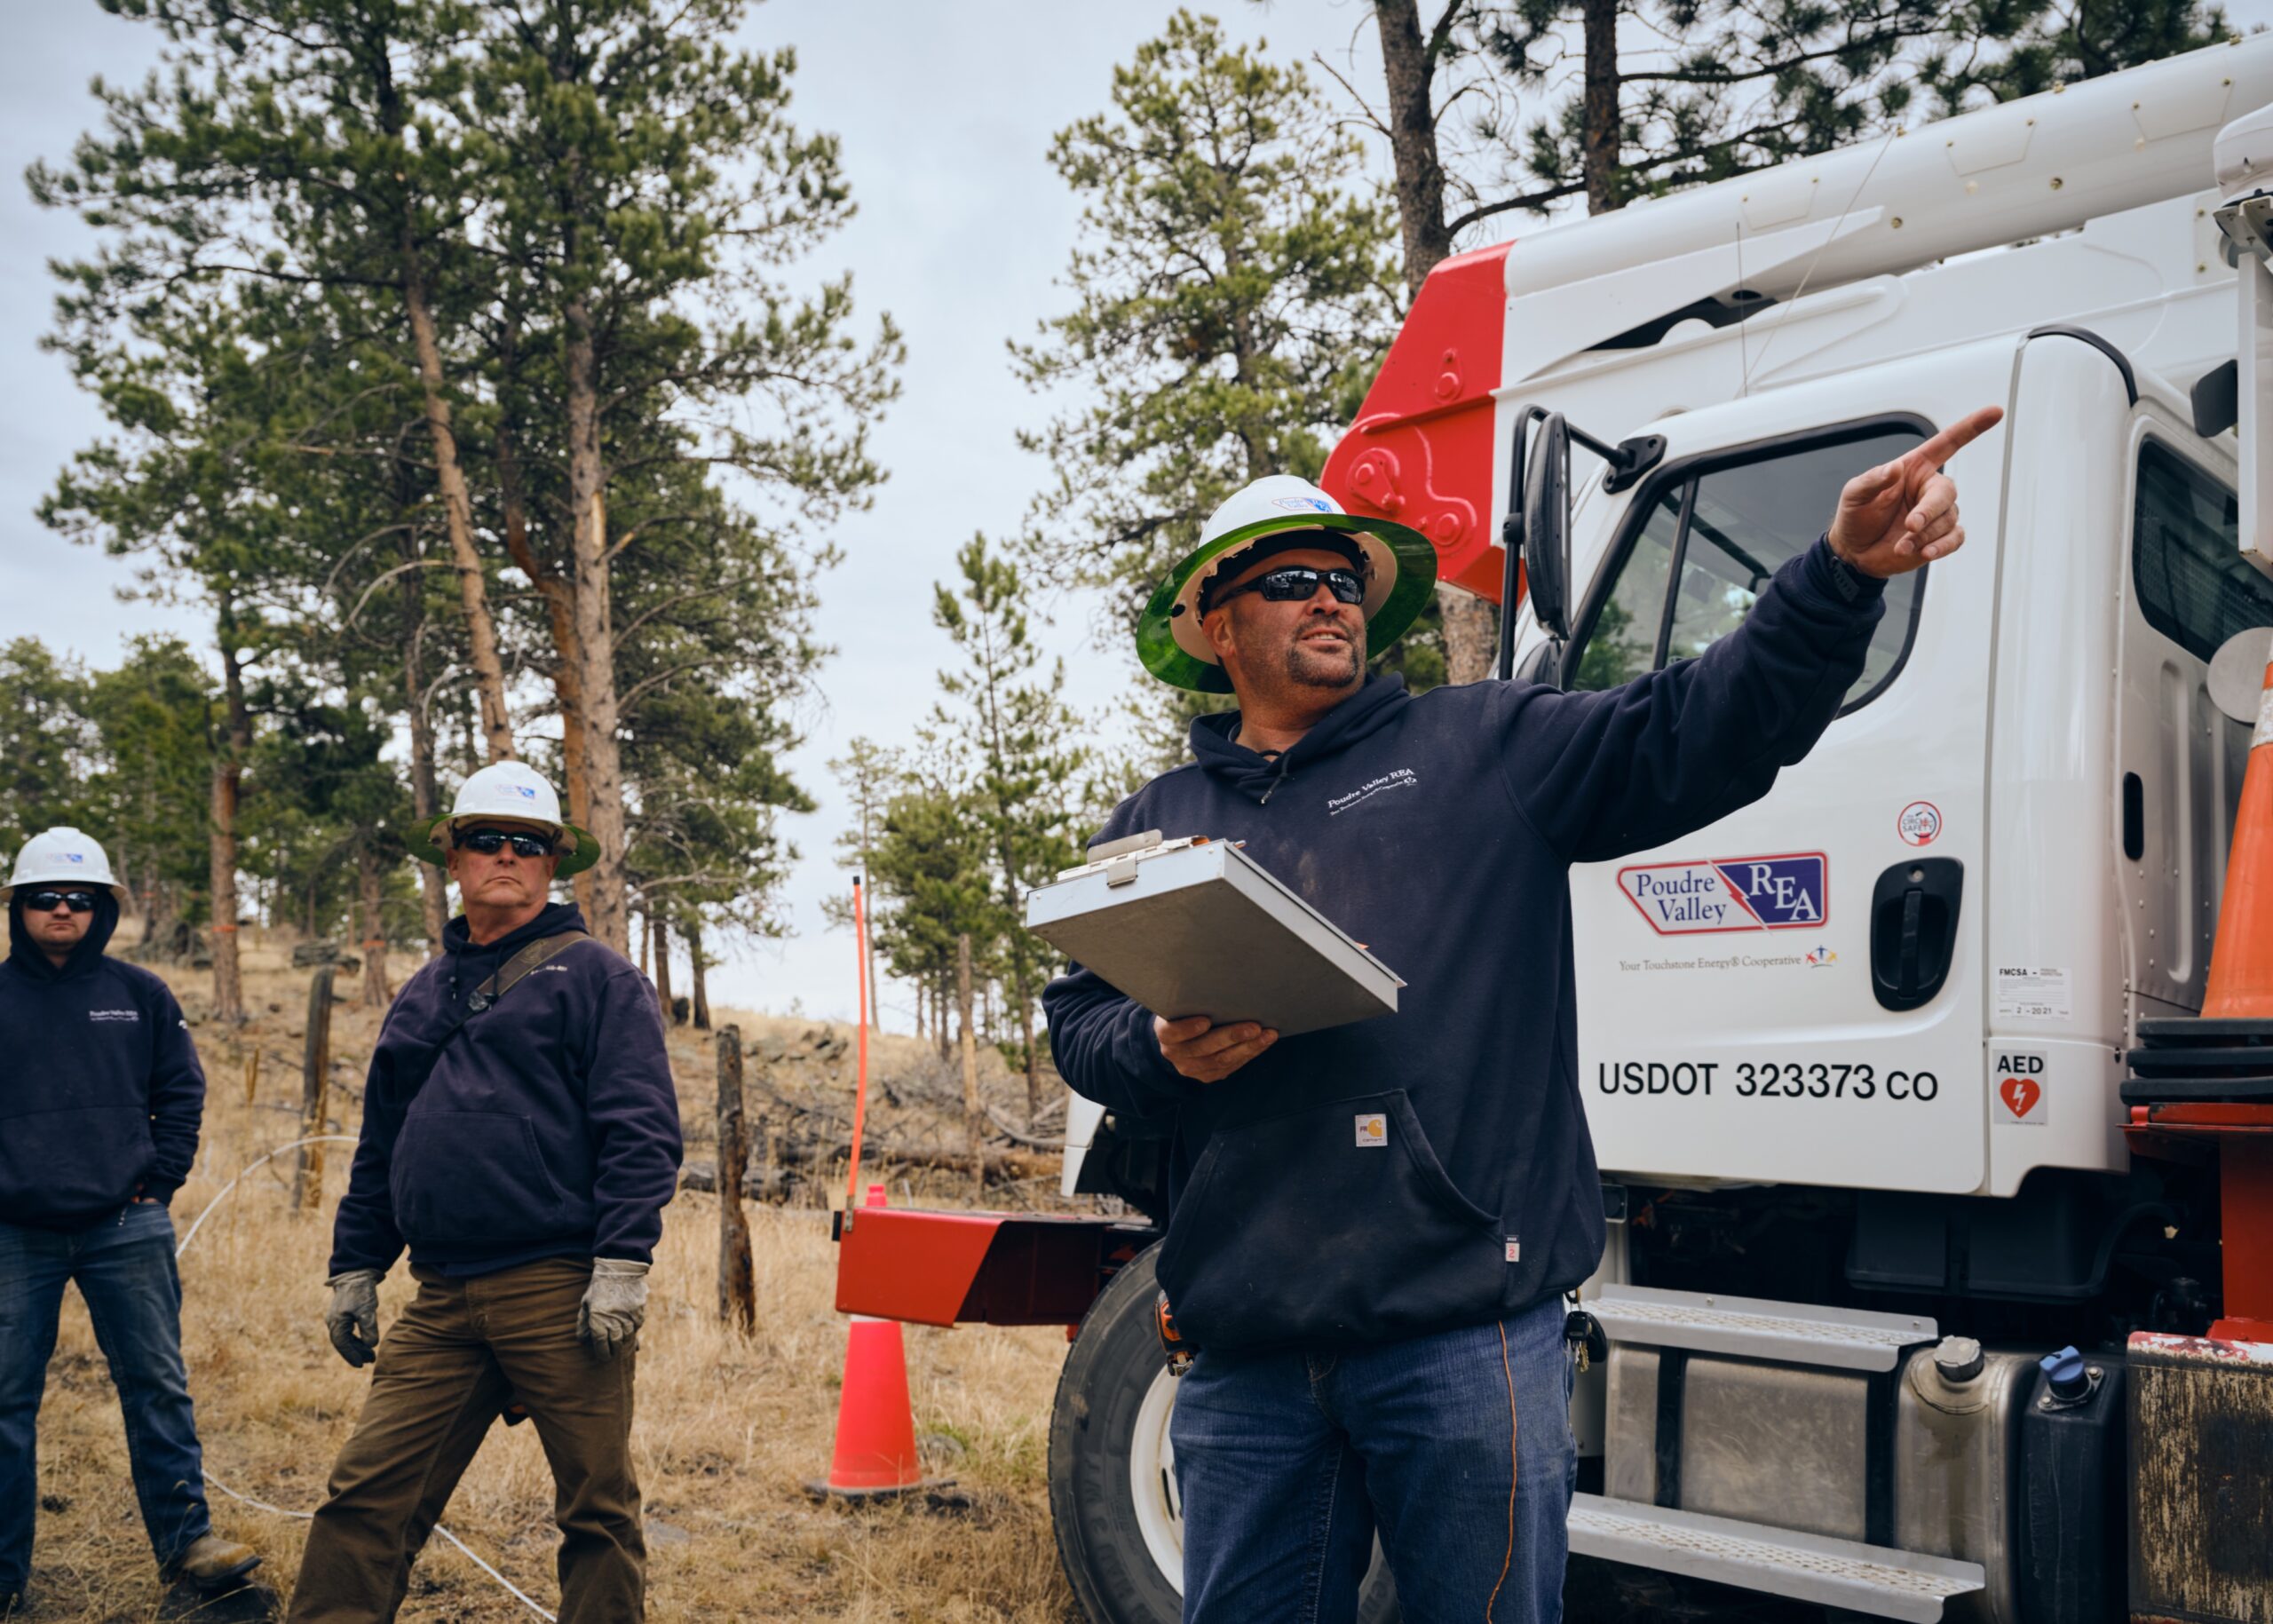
<point>1914,911</point>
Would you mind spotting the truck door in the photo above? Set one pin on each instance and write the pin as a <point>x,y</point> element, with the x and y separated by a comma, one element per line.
<point>1792,994</point>
<point>2180,759</point>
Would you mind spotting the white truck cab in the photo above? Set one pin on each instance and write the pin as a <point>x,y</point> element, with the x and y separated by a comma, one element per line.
<point>1853,1056</point>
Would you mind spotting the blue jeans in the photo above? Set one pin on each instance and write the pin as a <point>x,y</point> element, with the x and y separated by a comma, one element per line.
<point>1457,1447</point>
<point>125,1267</point>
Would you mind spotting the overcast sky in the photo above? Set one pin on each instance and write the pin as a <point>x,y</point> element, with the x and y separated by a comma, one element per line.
<point>946,112</point>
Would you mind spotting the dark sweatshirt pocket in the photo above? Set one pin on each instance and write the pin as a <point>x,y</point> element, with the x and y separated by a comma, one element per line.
<point>1333,1224</point>
<point>473,1175</point>
<point>69,1167</point>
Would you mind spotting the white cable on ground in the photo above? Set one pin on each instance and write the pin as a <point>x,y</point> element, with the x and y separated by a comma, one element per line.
<point>261,1505</point>
<point>321,1138</point>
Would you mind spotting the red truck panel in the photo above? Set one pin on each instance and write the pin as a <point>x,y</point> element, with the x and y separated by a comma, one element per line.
<point>1423,449</point>
<point>983,1268</point>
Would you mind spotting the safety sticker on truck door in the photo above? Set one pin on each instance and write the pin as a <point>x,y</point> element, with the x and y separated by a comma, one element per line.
<point>2016,1086</point>
<point>1787,892</point>
<point>2031,993</point>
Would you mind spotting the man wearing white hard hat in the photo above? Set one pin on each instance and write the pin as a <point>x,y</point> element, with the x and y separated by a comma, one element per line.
<point>1370,1228</point>
<point>100,1099</point>
<point>520,1138</point>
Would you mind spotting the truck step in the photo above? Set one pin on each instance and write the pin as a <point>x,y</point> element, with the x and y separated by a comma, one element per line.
<point>1868,1579</point>
<point>1751,1327</point>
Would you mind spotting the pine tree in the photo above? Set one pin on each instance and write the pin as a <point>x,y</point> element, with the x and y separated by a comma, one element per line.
<point>1018,752</point>
<point>1234,288</point>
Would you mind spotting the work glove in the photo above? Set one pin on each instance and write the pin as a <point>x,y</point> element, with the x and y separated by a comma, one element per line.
<point>614,1304</point>
<point>354,1317</point>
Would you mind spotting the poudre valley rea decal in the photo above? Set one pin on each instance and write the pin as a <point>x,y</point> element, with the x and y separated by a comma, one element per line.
<point>1790,892</point>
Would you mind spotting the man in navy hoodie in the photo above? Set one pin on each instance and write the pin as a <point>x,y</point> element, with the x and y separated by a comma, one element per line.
<point>101,1098</point>
<point>1370,1226</point>
<point>520,1137</point>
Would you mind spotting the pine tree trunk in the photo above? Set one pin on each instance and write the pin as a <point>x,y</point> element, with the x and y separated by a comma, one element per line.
<point>228,773</point>
<point>457,507</point>
<point>1472,627</point>
<point>1598,139</point>
<point>457,513</point>
<point>376,993</point>
<point>940,1004</point>
<point>699,972</point>
<point>425,798</point>
<point>1410,70</point>
<point>1471,630</point>
<point>560,596</point>
<point>608,914</point>
<point>662,933</point>
<point>972,1111</point>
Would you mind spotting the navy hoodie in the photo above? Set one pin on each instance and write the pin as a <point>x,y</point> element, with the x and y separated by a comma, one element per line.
<point>548,1127</point>
<point>100,1091</point>
<point>1432,1168</point>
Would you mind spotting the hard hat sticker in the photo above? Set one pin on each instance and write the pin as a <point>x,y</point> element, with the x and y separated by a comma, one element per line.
<point>1372,1130</point>
<point>1787,892</point>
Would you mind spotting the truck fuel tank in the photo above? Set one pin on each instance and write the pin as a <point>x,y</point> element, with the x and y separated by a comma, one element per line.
<point>1871,1433</point>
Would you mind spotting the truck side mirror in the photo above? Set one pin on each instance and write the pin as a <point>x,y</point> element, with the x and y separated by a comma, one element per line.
<point>1547,524</point>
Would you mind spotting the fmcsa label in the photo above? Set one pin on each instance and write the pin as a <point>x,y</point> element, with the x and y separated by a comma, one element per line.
<point>1790,892</point>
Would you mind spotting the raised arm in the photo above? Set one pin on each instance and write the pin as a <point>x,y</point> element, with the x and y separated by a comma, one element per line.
<point>1602,774</point>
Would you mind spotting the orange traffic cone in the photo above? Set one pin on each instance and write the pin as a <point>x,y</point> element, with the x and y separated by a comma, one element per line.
<point>2241,959</point>
<point>875,1456</point>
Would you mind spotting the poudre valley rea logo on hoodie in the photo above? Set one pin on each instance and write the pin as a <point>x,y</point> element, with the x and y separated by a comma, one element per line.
<point>108,1014</point>
<point>1395,778</point>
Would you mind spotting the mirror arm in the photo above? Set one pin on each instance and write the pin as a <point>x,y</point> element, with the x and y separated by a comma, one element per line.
<point>1511,545</point>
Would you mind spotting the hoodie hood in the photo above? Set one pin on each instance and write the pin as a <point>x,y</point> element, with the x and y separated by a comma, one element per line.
<point>1257,777</point>
<point>30,959</point>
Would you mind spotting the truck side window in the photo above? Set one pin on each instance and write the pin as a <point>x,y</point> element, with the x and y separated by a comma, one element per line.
<point>2194,585</point>
<point>1718,533</point>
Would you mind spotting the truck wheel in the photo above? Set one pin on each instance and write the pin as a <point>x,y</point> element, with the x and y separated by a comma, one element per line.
<point>1112,1494</point>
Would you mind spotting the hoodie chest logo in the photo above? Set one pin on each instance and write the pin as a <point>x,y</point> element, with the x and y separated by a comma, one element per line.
<point>109,1015</point>
<point>1395,778</point>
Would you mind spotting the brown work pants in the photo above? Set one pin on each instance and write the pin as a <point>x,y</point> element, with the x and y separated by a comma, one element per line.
<point>460,1353</point>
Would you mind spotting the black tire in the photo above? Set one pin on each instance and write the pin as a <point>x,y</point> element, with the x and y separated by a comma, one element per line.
<point>1109,1373</point>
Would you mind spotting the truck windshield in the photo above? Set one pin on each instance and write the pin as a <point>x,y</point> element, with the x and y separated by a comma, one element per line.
<point>1716,534</point>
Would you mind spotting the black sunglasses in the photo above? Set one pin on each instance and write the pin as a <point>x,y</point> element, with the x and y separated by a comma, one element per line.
<point>48,901</point>
<point>489,841</point>
<point>1298,582</point>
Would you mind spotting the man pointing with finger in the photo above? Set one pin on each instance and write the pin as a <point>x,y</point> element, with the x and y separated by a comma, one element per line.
<point>1370,1226</point>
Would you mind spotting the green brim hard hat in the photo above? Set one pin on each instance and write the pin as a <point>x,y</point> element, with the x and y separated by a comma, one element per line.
<point>1401,572</point>
<point>576,850</point>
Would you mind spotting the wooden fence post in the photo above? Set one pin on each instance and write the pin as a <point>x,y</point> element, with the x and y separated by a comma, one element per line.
<point>315,1075</point>
<point>971,1110</point>
<point>737,1281</point>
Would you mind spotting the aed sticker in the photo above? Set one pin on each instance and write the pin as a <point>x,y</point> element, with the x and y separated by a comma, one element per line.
<point>2033,994</point>
<point>1373,1129</point>
<point>2016,1079</point>
<point>1919,823</point>
<point>1786,891</point>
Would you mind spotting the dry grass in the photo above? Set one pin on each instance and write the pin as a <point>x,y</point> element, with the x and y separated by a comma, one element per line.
<point>728,1426</point>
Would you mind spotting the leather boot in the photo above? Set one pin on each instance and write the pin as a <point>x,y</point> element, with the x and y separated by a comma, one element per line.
<point>213,1562</point>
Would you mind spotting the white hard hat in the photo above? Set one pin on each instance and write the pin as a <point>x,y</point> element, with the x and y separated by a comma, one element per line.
<point>1401,574</point>
<point>62,856</point>
<point>511,792</point>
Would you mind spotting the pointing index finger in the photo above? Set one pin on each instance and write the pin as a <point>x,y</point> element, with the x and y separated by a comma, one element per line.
<point>1954,439</point>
